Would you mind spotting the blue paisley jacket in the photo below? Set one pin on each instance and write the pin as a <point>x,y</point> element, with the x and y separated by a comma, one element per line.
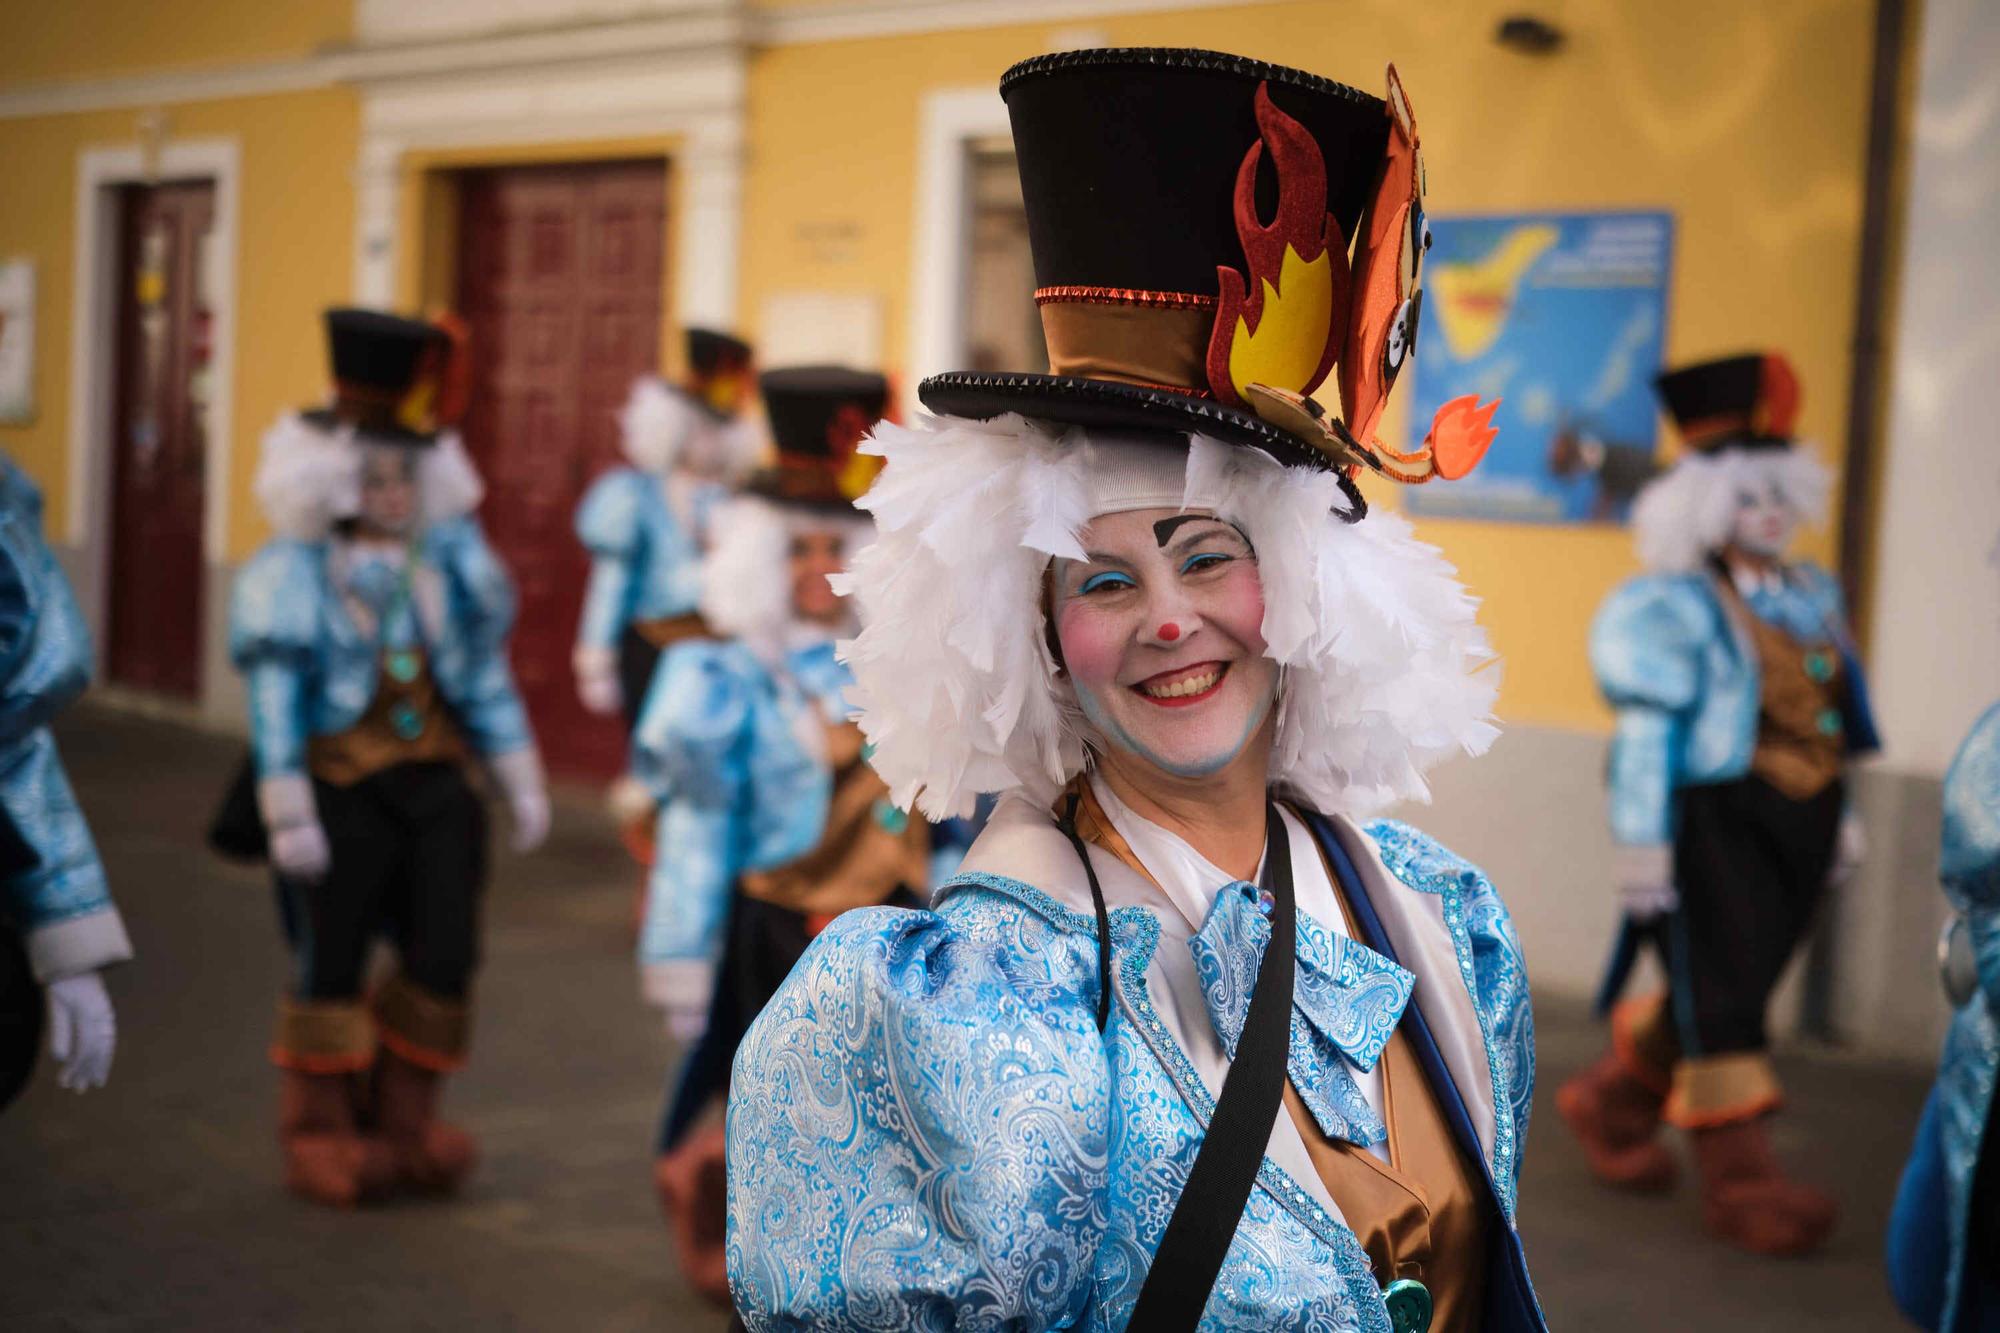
<point>1683,678</point>
<point>927,1130</point>
<point>1970,869</point>
<point>645,562</point>
<point>52,888</point>
<point>311,671</point>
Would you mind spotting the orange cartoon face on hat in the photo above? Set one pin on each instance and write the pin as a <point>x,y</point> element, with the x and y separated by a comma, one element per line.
<point>1388,272</point>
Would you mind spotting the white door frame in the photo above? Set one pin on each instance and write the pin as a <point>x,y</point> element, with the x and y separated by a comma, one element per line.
<point>93,361</point>
<point>953,120</point>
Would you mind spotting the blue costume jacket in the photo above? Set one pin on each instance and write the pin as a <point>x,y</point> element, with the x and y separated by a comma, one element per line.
<point>927,1129</point>
<point>1684,680</point>
<point>54,891</point>
<point>645,562</point>
<point>312,671</point>
<point>725,745</point>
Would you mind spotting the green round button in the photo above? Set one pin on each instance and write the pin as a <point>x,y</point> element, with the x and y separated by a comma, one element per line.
<point>406,721</point>
<point>403,666</point>
<point>1409,1304</point>
<point>891,820</point>
<point>1819,665</point>
<point>1829,721</point>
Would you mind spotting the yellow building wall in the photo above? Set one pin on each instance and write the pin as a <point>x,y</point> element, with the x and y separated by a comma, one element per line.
<point>295,255</point>
<point>1747,121</point>
<point>83,38</point>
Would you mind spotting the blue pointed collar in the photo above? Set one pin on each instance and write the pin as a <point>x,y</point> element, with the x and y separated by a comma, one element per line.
<point>1346,1002</point>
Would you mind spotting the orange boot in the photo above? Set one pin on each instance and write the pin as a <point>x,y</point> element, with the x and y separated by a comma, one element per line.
<point>327,1159</point>
<point>1615,1116</point>
<point>431,1156</point>
<point>693,1187</point>
<point>1746,1198</point>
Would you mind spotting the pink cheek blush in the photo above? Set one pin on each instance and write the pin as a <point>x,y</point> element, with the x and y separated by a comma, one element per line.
<point>1236,607</point>
<point>1093,644</point>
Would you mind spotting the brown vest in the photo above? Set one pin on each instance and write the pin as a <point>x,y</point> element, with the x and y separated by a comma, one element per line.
<point>1420,1215</point>
<point>1801,735</point>
<point>868,850</point>
<point>666,631</point>
<point>405,723</point>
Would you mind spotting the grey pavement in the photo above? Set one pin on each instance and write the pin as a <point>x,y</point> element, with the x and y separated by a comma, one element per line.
<point>155,1203</point>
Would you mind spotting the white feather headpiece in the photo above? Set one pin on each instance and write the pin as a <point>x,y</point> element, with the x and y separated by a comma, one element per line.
<point>1386,670</point>
<point>663,429</point>
<point>309,477</point>
<point>1687,513</point>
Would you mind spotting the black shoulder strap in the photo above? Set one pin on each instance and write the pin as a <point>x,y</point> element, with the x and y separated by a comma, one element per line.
<point>1225,1167</point>
<point>1103,915</point>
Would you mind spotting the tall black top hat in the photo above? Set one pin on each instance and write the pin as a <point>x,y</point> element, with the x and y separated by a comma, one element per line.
<point>819,416</point>
<point>713,352</point>
<point>1749,401</point>
<point>392,377</point>
<point>1191,215</point>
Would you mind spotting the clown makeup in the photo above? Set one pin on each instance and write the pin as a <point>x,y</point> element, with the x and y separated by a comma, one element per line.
<point>388,490</point>
<point>817,554</point>
<point>1764,521</point>
<point>1161,632</point>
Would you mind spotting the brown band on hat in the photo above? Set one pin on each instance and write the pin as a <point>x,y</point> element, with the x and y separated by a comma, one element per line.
<point>1156,346</point>
<point>323,1036</point>
<point>422,1026</point>
<point>1705,431</point>
<point>1124,296</point>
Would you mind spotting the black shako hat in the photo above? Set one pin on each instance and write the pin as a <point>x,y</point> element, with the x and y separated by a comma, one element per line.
<point>1750,401</point>
<point>713,352</point>
<point>1130,163</point>
<point>390,376</point>
<point>819,415</point>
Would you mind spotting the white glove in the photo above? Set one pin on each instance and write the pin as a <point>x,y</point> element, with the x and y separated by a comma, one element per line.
<point>301,852</point>
<point>1646,881</point>
<point>597,680</point>
<point>83,1032</point>
<point>1849,850</point>
<point>680,990</point>
<point>519,773</point>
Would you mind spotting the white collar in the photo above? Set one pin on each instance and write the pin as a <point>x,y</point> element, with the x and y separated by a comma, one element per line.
<point>1189,879</point>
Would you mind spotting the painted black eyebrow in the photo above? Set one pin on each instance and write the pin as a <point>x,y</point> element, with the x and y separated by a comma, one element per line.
<point>1164,529</point>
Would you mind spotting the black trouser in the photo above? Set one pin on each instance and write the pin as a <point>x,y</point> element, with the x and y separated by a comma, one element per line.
<point>1750,864</point>
<point>636,659</point>
<point>763,944</point>
<point>22,1010</point>
<point>409,863</point>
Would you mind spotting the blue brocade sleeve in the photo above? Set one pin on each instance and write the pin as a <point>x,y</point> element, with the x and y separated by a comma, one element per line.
<point>274,613</point>
<point>1645,647</point>
<point>609,525</point>
<point>487,703</point>
<point>919,1125</point>
<point>737,791</point>
<point>1969,855</point>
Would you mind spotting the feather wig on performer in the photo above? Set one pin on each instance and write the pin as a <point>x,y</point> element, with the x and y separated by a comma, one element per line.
<point>1739,702</point>
<point>1189,1041</point>
<point>372,636</point>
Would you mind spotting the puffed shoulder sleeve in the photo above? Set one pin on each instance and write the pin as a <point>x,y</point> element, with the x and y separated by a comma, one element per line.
<point>918,1126</point>
<point>697,713</point>
<point>484,590</point>
<point>45,651</point>
<point>1646,649</point>
<point>274,607</point>
<point>611,519</point>
<point>1969,855</point>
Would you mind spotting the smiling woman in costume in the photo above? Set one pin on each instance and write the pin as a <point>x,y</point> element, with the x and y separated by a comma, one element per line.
<point>1184,1044</point>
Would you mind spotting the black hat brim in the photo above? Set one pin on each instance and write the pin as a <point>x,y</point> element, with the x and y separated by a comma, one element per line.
<point>768,487</point>
<point>1074,401</point>
<point>327,419</point>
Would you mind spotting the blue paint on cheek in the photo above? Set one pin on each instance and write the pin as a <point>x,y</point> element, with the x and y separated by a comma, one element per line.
<point>1100,717</point>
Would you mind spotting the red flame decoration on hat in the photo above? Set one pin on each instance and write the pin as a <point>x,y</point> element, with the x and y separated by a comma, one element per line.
<point>1284,325</point>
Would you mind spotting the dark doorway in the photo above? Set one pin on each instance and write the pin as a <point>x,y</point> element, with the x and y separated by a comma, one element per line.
<point>559,278</point>
<point>160,446</point>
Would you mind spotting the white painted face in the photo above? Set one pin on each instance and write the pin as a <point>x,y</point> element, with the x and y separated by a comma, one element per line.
<point>1764,520</point>
<point>389,489</point>
<point>1161,633</point>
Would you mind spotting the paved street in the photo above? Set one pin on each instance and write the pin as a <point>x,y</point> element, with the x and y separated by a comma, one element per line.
<point>155,1204</point>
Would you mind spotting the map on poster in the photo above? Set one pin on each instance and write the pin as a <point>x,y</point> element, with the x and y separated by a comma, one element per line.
<point>1563,317</point>
<point>17,342</point>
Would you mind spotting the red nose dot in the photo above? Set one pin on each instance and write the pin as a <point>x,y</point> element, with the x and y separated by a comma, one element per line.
<point>1169,632</point>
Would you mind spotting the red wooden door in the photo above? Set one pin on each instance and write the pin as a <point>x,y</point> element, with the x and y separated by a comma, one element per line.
<point>160,448</point>
<point>559,279</point>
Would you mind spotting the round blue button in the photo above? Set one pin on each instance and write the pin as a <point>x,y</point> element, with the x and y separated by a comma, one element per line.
<point>1409,1305</point>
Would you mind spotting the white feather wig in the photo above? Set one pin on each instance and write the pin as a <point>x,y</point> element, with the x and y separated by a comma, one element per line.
<point>662,428</point>
<point>746,582</point>
<point>1385,669</point>
<point>309,478</point>
<point>1686,513</point>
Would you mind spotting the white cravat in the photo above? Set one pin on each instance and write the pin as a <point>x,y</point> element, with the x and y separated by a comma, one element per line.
<point>1191,881</point>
